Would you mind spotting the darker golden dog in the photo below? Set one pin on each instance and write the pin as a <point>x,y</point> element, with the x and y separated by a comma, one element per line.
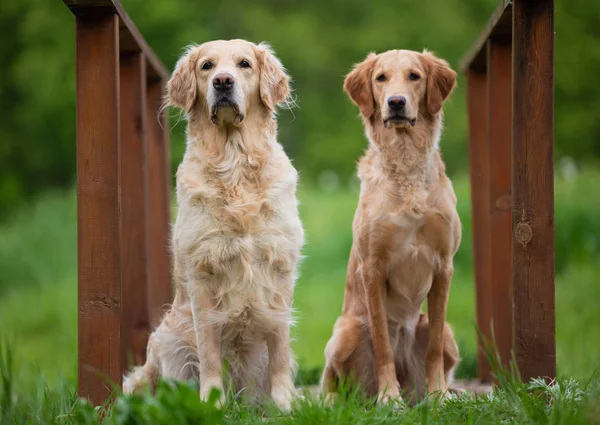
<point>405,233</point>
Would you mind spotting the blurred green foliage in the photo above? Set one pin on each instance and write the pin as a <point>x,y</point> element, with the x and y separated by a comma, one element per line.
<point>317,40</point>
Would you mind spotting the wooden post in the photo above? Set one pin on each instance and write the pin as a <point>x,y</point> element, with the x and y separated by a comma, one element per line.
<point>134,209</point>
<point>479,169</point>
<point>160,292</point>
<point>500,142</point>
<point>533,188</point>
<point>98,204</point>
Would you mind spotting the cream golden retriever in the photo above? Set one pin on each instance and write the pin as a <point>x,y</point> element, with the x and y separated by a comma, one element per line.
<point>237,237</point>
<point>405,233</point>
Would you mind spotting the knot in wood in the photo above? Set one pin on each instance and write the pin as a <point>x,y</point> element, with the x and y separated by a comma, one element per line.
<point>523,233</point>
<point>503,202</point>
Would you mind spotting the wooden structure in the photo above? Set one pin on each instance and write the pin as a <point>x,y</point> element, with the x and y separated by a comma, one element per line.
<point>123,194</point>
<point>510,85</point>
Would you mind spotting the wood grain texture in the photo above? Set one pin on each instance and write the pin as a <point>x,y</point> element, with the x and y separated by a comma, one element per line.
<point>533,188</point>
<point>500,144</point>
<point>479,170</point>
<point>160,292</point>
<point>98,205</point>
<point>135,325</point>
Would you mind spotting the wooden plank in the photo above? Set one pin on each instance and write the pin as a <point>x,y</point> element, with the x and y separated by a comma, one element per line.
<point>135,324</point>
<point>98,205</point>
<point>131,38</point>
<point>479,169</point>
<point>533,188</point>
<point>499,139</point>
<point>499,25</point>
<point>160,292</point>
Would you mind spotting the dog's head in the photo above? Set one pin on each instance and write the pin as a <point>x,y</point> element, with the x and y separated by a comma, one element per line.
<point>399,86</point>
<point>227,79</point>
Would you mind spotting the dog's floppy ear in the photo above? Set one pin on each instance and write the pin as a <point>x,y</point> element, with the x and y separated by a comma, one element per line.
<point>274,81</point>
<point>358,85</point>
<point>441,80</point>
<point>181,88</point>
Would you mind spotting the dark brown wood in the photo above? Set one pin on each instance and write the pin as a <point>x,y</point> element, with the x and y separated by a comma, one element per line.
<point>499,26</point>
<point>98,205</point>
<point>161,287</point>
<point>533,188</point>
<point>134,210</point>
<point>130,38</point>
<point>500,140</point>
<point>479,169</point>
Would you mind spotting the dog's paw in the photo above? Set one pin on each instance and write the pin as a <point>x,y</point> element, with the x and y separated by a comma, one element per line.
<point>449,395</point>
<point>440,396</point>
<point>330,399</point>
<point>213,393</point>
<point>135,381</point>
<point>283,396</point>
<point>389,395</point>
<point>456,391</point>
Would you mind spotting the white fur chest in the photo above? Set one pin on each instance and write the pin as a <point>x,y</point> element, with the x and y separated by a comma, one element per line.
<point>240,250</point>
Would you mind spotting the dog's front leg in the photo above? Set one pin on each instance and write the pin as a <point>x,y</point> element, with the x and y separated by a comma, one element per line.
<point>208,340</point>
<point>280,371</point>
<point>374,279</point>
<point>437,301</point>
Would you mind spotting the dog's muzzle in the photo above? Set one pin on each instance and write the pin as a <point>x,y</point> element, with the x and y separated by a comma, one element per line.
<point>223,85</point>
<point>225,102</point>
<point>397,107</point>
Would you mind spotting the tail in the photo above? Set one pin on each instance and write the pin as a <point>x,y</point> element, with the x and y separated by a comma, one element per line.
<point>142,376</point>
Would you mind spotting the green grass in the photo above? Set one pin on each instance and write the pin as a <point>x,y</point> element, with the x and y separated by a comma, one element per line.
<point>564,402</point>
<point>38,303</point>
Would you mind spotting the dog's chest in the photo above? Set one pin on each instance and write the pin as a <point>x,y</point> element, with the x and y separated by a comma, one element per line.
<point>254,283</point>
<point>413,261</point>
<point>245,233</point>
<point>243,253</point>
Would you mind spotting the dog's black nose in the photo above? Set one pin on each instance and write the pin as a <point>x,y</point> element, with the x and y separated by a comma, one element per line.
<point>223,82</point>
<point>396,103</point>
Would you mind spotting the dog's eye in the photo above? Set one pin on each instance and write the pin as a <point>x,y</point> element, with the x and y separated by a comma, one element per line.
<point>413,76</point>
<point>381,78</point>
<point>207,65</point>
<point>244,64</point>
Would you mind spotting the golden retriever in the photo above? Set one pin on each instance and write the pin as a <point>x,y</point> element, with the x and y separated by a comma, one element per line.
<point>237,237</point>
<point>405,233</point>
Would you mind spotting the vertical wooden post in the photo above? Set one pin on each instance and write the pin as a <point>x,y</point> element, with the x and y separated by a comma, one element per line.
<point>533,187</point>
<point>98,204</point>
<point>134,209</point>
<point>479,169</point>
<point>160,291</point>
<point>500,143</point>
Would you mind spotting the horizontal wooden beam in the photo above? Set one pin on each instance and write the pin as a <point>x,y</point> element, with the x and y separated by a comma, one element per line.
<point>130,38</point>
<point>499,26</point>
